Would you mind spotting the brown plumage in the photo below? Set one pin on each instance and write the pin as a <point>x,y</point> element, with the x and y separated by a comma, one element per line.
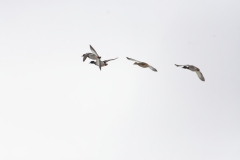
<point>142,64</point>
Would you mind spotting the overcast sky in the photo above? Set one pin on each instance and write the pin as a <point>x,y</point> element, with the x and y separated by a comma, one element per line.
<point>54,106</point>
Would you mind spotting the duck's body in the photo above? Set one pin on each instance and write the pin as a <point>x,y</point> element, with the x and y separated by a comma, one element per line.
<point>194,69</point>
<point>142,64</point>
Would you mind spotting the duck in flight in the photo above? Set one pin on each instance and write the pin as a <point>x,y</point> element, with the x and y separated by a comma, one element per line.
<point>93,56</point>
<point>194,69</point>
<point>142,64</point>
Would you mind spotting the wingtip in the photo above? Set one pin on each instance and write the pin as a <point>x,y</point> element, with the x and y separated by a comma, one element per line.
<point>90,46</point>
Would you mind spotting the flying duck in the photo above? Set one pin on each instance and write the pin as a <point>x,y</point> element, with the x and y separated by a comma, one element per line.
<point>93,56</point>
<point>142,64</point>
<point>194,69</point>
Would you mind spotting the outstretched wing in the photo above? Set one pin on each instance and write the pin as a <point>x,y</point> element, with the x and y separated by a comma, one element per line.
<point>180,65</point>
<point>200,75</point>
<point>152,68</point>
<point>84,57</point>
<point>98,63</point>
<point>109,60</point>
<point>98,58</point>
<point>93,50</point>
<point>132,59</point>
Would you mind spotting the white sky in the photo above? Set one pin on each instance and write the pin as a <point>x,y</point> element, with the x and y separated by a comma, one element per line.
<point>55,107</point>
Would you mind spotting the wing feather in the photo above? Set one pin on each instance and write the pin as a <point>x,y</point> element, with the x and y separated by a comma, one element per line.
<point>109,60</point>
<point>200,75</point>
<point>98,62</point>
<point>84,58</point>
<point>152,68</point>
<point>132,59</point>
<point>93,50</point>
<point>180,65</point>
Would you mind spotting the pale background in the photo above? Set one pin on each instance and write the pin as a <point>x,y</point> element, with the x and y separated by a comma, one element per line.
<point>53,106</point>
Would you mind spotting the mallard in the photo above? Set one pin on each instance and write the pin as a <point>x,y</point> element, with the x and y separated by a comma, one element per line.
<point>194,69</point>
<point>103,63</point>
<point>142,64</point>
<point>93,56</point>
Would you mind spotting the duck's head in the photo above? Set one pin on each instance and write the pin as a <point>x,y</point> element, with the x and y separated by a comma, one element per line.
<point>92,62</point>
<point>135,63</point>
